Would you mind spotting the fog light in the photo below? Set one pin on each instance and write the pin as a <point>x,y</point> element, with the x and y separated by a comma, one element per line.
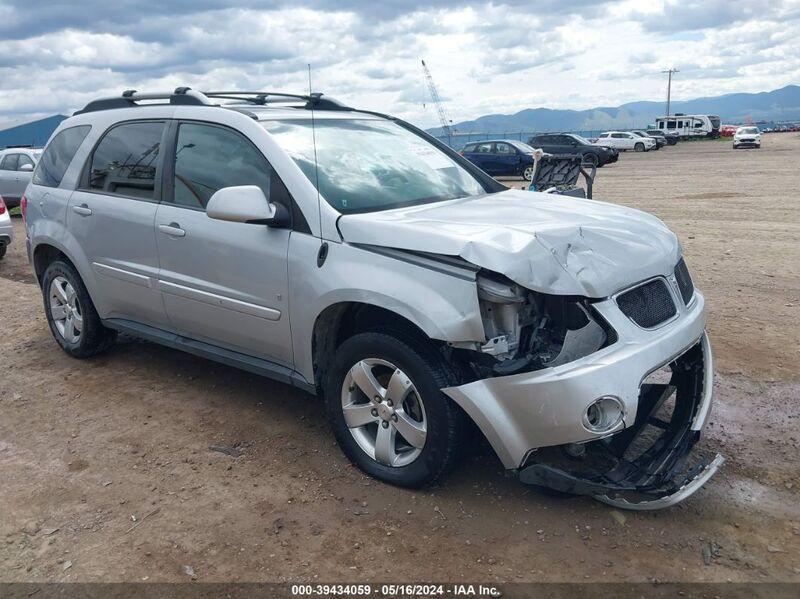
<point>603,415</point>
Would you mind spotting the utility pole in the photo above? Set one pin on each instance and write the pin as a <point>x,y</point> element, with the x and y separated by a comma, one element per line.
<point>669,85</point>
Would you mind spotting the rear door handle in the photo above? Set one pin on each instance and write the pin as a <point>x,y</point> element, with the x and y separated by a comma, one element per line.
<point>172,229</point>
<point>83,210</point>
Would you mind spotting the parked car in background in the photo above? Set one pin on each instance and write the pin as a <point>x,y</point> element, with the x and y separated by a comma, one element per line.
<point>669,139</point>
<point>660,141</point>
<point>572,144</point>
<point>624,141</point>
<point>350,255</point>
<point>16,168</point>
<point>6,229</point>
<point>501,157</point>
<point>747,137</point>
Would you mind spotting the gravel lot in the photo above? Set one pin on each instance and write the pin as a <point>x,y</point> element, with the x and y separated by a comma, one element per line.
<point>106,472</point>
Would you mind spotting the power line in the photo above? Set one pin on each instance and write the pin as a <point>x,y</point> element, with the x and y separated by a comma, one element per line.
<point>669,85</point>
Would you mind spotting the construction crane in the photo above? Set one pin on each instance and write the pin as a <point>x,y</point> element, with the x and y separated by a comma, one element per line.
<point>438,102</point>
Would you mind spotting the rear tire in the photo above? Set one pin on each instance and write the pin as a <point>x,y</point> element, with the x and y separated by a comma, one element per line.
<point>71,315</point>
<point>527,173</point>
<point>422,375</point>
<point>638,147</point>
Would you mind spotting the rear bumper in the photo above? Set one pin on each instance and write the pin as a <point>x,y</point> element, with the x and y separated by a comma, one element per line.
<point>6,233</point>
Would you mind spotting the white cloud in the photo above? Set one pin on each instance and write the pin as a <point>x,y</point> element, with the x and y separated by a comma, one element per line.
<point>485,57</point>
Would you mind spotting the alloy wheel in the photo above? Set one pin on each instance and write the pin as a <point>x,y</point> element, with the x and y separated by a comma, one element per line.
<point>384,412</point>
<point>527,174</point>
<point>65,310</point>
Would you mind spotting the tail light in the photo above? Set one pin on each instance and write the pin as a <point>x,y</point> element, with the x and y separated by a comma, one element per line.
<point>2,206</point>
<point>23,207</point>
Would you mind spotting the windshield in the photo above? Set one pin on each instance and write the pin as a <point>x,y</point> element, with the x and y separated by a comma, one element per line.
<point>582,139</point>
<point>367,165</point>
<point>748,130</point>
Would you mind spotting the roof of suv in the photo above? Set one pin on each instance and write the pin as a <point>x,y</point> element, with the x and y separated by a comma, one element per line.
<point>257,105</point>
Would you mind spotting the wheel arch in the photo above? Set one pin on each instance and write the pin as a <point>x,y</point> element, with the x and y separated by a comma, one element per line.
<point>342,320</point>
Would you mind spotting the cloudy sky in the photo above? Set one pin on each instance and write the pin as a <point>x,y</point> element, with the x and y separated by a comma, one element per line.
<point>485,57</point>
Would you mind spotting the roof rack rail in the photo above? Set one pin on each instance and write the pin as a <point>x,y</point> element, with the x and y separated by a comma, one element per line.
<point>130,97</point>
<point>186,96</point>
<point>261,98</point>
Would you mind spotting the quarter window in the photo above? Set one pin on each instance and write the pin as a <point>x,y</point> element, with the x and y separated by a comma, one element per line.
<point>209,158</point>
<point>58,154</point>
<point>126,160</point>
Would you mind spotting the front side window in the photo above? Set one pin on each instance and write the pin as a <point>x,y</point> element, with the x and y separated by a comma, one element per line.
<point>9,162</point>
<point>126,160</point>
<point>208,158</point>
<point>363,165</point>
<point>58,154</point>
<point>23,160</point>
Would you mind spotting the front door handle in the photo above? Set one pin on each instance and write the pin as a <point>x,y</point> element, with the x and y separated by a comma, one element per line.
<point>83,210</point>
<point>172,229</point>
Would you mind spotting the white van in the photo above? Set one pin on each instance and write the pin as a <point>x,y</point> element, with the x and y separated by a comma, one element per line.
<point>689,125</point>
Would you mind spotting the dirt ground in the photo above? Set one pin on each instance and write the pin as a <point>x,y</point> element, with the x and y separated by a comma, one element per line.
<point>106,472</point>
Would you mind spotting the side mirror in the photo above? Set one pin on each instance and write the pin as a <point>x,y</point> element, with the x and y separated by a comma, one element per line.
<point>247,204</point>
<point>26,168</point>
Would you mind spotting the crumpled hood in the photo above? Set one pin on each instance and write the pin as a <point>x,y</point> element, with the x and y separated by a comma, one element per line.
<point>545,242</point>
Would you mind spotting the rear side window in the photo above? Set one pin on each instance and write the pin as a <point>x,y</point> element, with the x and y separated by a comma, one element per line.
<point>9,162</point>
<point>208,158</point>
<point>126,160</point>
<point>58,154</point>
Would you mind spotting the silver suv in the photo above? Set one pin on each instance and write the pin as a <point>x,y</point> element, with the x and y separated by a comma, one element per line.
<point>16,167</point>
<point>352,255</point>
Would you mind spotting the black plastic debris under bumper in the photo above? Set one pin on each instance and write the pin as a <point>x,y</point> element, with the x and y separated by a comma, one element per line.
<point>647,465</point>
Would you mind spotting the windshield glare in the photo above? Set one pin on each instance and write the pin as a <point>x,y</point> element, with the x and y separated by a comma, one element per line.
<point>366,165</point>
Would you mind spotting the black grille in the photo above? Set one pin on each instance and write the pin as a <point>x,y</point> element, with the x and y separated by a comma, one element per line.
<point>684,281</point>
<point>648,305</point>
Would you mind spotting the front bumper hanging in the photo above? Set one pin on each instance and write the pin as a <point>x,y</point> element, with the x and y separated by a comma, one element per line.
<point>645,466</point>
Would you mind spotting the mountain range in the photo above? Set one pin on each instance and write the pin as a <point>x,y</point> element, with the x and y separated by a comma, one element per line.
<point>777,105</point>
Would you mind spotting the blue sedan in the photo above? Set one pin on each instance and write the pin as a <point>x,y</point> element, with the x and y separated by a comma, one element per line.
<point>501,157</point>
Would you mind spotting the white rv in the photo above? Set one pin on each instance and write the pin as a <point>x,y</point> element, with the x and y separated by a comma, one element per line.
<point>689,125</point>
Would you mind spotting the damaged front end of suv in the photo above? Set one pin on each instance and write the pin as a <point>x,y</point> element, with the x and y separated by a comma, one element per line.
<point>599,397</point>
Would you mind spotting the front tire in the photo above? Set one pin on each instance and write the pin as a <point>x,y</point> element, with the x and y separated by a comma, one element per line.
<point>71,315</point>
<point>385,406</point>
<point>638,147</point>
<point>591,160</point>
<point>3,247</point>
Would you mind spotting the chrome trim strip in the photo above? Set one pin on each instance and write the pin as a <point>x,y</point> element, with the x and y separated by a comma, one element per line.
<point>704,410</point>
<point>684,492</point>
<point>213,299</point>
<point>122,275</point>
